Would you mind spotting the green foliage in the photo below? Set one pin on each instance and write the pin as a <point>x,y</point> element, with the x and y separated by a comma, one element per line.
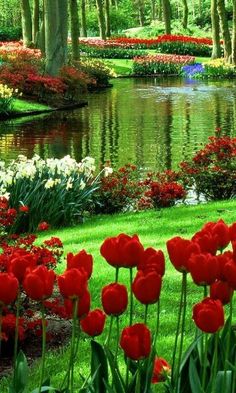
<point>184,48</point>
<point>120,20</point>
<point>110,53</point>
<point>10,33</point>
<point>217,69</point>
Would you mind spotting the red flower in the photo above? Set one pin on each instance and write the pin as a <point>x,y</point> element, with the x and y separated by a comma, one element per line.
<point>160,370</point>
<point>206,241</point>
<point>136,341</point>
<point>82,260</point>
<point>180,250</point>
<point>203,268</point>
<point>24,209</point>
<point>43,226</point>
<point>147,286</point>
<point>152,259</point>
<point>122,250</point>
<point>230,273</point>
<point>93,323</point>
<point>19,264</point>
<point>38,283</point>
<point>209,315</point>
<point>220,232</point>
<point>222,291</point>
<point>8,288</point>
<point>114,299</point>
<point>72,283</point>
<point>83,305</point>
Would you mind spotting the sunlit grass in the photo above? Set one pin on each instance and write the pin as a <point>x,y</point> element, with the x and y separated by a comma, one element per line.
<point>23,105</point>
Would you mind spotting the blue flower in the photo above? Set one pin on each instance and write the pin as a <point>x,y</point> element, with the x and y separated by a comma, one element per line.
<point>190,70</point>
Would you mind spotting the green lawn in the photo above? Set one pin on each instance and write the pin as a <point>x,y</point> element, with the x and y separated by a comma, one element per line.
<point>154,229</point>
<point>23,105</point>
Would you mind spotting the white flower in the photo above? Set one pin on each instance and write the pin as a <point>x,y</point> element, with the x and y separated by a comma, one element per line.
<point>49,183</point>
<point>107,171</point>
<point>82,185</point>
<point>69,184</point>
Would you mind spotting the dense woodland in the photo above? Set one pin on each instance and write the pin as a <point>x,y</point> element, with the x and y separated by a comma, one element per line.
<point>46,24</point>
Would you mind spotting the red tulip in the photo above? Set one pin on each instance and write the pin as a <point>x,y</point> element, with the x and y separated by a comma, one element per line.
<point>232,231</point>
<point>222,291</point>
<point>220,232</point>
<point>122,250</point>
<point>223,259</point>
<point>203,268</point>
<point>160,370</point>
<point>206,241</point>
<point>93,323</point>
<point>8,288</point>
<point>147,286</point>
<point>20,263</point>
<point>136,341</point>
<point>82,260</point>
<point>180,250</point>
<point>209,315</point>
<point>230,273</point>
<point>72,283</point>
<point>24,209</point>
<point>83,305</point>
<point>152,259</point>
<point>114,299</point>
<point>38,283</point>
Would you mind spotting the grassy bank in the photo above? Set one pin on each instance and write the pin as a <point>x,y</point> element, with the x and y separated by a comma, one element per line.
<point>154,229</point>
<point>23,105</point>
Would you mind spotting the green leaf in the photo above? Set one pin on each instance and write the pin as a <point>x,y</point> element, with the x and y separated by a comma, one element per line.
<point>194,378</point>
<point>99,366</point>
<point>116,376</point>
<point>223,385</point>
<point>44,389</point>
<point>21,373</point>
<point>189,352</point>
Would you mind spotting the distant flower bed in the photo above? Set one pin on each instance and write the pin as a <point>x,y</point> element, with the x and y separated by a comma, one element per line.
<point>107,52</point>
<point>160,64</point>
<point>210,70</point>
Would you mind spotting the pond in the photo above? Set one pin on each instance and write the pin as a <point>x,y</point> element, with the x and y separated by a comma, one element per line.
<point>153,123</point>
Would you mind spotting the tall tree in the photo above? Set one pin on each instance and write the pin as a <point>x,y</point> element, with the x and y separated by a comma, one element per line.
<point>224,29</point>
<point>83,19</point>
<point>153,9</point>
<point>74,25</point>
<point>234,34</point>
<point>35,24</point>
<point>185,14</point>
<point>216,49</point>
<point>56,31</point>
<point>101,19</point>
<point>167,15</point>
<point>107,18</point>
<point>26,22</point>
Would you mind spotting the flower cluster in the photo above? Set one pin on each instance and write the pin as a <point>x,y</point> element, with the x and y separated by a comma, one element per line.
<point>192,69</point>
<point>160,64</point>
<point>212,170</point>
<point>7,95</point>
<point>15,51</point>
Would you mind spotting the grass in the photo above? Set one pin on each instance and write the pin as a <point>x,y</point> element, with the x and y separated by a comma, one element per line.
<point>154,229</point>
<point>23,105</point>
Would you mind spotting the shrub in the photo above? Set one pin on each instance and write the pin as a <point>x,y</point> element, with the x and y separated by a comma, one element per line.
<point>58,190</point>
<point>97,71</point>
<point>160,64</point>
<point>113,53</point>
<point>76,81</point>
<point>10,33</point>
<point>212,170</point>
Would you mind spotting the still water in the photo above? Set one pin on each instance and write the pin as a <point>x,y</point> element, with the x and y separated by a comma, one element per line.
<point>153,123</point>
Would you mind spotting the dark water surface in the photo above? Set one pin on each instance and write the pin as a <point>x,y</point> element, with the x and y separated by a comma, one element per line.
<point>152,123</point>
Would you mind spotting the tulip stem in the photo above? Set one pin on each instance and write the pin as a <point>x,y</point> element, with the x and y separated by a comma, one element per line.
<point>131,297</point>
<point>205,291</point>
<point>107,342</point>
<point>43,347</point>
<point>205,353</point>
<point>117,274</point>
<point>138,378</point>
<point>177,333</point>
<point>146,314</point>
<point>73,338</point>
<point>16,329</point>
<point>215,361</point>
<point>127,374</point>
<point>117,336</point>
<point>228,343</point>
<point>0,331</point>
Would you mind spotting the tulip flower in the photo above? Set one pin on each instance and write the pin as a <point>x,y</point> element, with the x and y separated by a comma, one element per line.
<point>38,283</point>
<point>20,263</point>
<point>221,290</point>
<point>208,315</point>
<point>230,273</point>
<point>152,259</point>
<point>82,260</point>
<point>114,299</point>
<point>180,250</point>
<point>147,286</point>
<point>93,323</point>
<point>83,305</point>
<point>136,341</point>
<point>8,288</point>
<point>220,232</point>
<point>203,268</point>
<point>72,283</point>
<point>160,370</point>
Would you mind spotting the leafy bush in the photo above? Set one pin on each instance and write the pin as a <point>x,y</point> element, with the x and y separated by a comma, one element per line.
<point>76,81</point>
<point>10,33</point>
<point>119,19</point>
<point>212,170</point>
<point>58,190</point>
<point>160,64</point>
<point>98,72</point>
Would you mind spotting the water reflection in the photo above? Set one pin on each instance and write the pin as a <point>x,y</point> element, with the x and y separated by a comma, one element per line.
<point>152,123</point>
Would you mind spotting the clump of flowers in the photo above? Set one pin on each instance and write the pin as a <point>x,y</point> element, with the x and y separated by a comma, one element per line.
<point>7,95</point>
<point>212,171</point>
<point>160,64</point>
<point>192,69</point>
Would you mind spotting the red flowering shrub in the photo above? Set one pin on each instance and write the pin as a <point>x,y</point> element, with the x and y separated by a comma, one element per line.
<point>76,80</point>
<point>212,170</point>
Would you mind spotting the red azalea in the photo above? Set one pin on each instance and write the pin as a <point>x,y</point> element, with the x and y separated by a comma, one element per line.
<point>180,250</point>
<point>24,209</point>
<point>221,290</point>
<point>81,260</point>
<point>208,315</point>
<point>160,370</point>
<point>136,341</point>
<point>93,323</point>
<point>9,287</point>
<point>152,259</point>
<point>83,305</point>
<point>38,283</point>
<point>203,268</point>
<point>114,299</point>
<point>147,286</point>
<point>72,283</point>
<point>43,226</point>
<point>53,242</point>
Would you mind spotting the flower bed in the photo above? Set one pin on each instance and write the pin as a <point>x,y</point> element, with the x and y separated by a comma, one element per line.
<point>210,70</point>
<point>160,64</point>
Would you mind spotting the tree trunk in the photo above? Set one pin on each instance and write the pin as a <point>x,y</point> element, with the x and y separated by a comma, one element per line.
<point>56,28</point>
<point>160,10</point>
<point>26,22</point>
<point>234,34</point>
<point>74,27</point>
<point>107,18</point>
<point>35,27</point>
<point>185,14</point>
<point>154,9</point>
<point>216,49</point>
<point>167,15</point>
<point>141,12</point>
<point>101,19</point>
<point>83,19</point>
<point>224,29</point>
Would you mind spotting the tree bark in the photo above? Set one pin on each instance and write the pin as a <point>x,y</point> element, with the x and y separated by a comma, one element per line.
<point>234,34</point>
<point>216,49</point>
<point>224,29</point>
<point>101,19</point>
<point>141,12</point>
<point>107,18</point>
<point>26,22</point>
<point>154,9</point>
<point>56,29</point>
<point>35,27</point>
<point>83,19</point>
<point>74,26</point>
<point>167,15</point>
<point>185,14</point>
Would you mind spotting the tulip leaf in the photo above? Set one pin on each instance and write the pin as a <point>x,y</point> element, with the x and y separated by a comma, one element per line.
<point>21,373</point>
<point>189,352</point>
<point>223,382</point>
<point>99,366</point>
<point>44,389</point>
<point>116,376</point>
<point>194,378</point>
